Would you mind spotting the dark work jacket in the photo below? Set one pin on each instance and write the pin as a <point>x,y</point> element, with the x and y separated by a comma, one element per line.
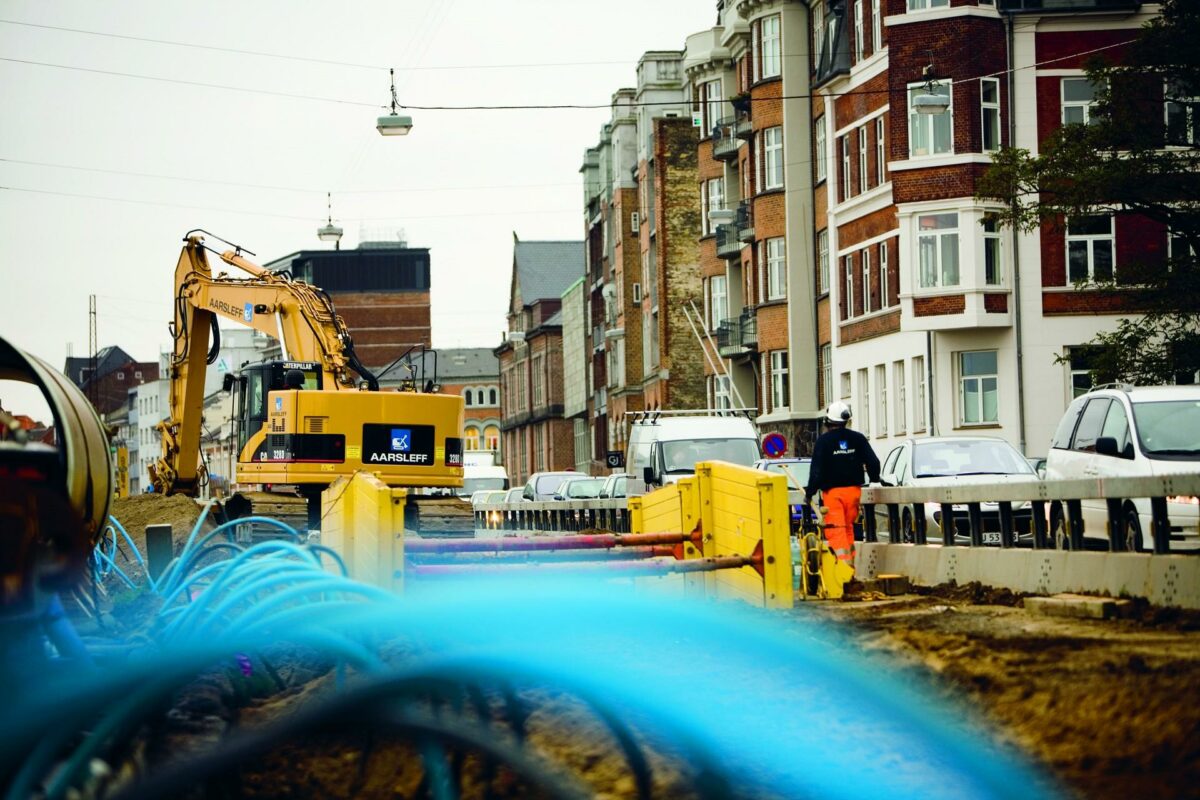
<point>839,457</point>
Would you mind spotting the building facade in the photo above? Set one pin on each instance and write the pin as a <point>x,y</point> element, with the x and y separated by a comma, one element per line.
<point>535,436</point>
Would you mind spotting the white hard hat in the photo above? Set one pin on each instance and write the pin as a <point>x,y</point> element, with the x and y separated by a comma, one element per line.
<point>838,412</point>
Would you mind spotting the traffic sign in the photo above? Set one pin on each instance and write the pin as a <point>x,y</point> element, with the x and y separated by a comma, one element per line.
<point>615,459</point>
<point>774,445</point>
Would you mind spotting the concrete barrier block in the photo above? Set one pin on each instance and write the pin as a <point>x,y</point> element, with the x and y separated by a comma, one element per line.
<point>925,564</point>
<point>1085,571</point>
<point>1127,574</point>
<point>1174,581</point>
<point>869,559</point>
<point>1047,571</point>
<point>1007,568</point>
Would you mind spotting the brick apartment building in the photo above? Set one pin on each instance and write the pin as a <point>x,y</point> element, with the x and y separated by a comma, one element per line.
<point>380,290</point>
<point>841,252</point>
<point>535,436</point>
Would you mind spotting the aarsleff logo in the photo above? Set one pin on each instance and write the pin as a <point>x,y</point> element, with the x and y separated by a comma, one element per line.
<point>392,444</point>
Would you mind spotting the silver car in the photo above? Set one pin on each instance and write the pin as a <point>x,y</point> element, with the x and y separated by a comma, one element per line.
<point>956,461</point>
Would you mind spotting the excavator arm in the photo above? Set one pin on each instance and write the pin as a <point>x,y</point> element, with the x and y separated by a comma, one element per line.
<point>300,316</point>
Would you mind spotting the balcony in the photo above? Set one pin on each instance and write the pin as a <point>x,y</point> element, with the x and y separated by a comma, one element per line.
<point>725,141</point>
<point>728,244</point>
<point>738,336</point>
<point>1067,6</point>
<point>744,221</point>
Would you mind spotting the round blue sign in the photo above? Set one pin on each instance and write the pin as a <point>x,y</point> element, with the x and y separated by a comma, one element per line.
<point>774,445</point>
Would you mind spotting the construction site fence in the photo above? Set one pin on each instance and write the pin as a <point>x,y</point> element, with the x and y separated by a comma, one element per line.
<point>1038,514</point>
<point>554,516</point>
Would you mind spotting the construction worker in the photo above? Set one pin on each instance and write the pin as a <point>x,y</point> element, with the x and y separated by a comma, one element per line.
<point>839,458</point>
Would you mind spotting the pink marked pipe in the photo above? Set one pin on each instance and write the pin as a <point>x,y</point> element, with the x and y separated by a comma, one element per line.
<point>597,541</point>
<point>605,567</point>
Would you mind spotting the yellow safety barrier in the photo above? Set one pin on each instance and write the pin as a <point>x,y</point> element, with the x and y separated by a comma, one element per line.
<point>362,519</point>
<point>741,512</point>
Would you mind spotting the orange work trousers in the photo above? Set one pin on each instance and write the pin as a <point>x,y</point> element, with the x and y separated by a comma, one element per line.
<point>842,504</point>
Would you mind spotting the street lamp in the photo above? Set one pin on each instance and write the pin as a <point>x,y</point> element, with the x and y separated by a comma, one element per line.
<point>330,232</point>
<point>933,101</point>
<point>394,124</point>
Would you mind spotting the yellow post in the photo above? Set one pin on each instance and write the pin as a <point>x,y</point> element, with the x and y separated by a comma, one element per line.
<point>363,522</point>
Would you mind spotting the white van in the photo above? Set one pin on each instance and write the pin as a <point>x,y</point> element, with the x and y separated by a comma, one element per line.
<point>482,476</point>
<point>664,446</point>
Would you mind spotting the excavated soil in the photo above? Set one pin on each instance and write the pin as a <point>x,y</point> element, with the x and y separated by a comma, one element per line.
<point>1108,706</point>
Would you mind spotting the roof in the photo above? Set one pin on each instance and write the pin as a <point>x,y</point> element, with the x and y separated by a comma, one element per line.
<point>108,359</point>
<point>544,270</point>
<point>453,364</point>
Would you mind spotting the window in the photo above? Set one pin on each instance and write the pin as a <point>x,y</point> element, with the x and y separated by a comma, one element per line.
<point>120,376</point>
<point>858,30</point>
<point>864,402</point>
<point>885,297</point>
<point>491,436</point>
<point>538,381</point>
<point>710,97</point>
<point>845,167</point>
<point>823,261</point>
<point>714,197</point>
<point>901,400</point>
<point>937,250</point>
<point>769,55</point>
<point>866,281</point>
<point>1091,424</point>
<point>849,293</point>
<point>1182,117</point>
<point>989,105</point>
<point>918,373</point>
<point>717,301</point>
<point>467,398</point>
<point>880,155</point>
<point>722,397</point>
<point>922,5</point>
<point>819,147</point>
<point>491,397</point>
<point>539,448</point>
<point>1082,360</point>
<point>882,392</point>
<point>929,134</point>
<point>862,159</point>
<point>992,273</point>
<point>780,399</point>
<point>776,269</point>
<point>818,31</point>
<point>826,375</point>
<point>770,174</point>
<point>1090,249</point>
<point>1078,98</point>
<point>137,375</point>
<point>845,380</point>
<point>471,438</point>
<point>977,390</point>
<point>876,27</point>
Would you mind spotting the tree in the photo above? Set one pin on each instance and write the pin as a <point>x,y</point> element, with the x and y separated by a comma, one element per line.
<point>1138,153</point>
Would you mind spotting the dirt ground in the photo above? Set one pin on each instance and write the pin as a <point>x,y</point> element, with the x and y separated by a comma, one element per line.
<point>135,513</point>
<point>1108,706</point>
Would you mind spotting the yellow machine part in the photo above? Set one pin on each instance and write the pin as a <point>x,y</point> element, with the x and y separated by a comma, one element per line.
<point>823,575</point>
<point>405,439</point>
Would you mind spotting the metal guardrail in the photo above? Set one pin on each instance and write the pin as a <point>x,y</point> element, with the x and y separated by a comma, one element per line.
<point>554,515</point>
<point>1050,501</point>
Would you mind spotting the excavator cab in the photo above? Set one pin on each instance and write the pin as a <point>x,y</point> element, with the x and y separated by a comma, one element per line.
<point>252,386</point>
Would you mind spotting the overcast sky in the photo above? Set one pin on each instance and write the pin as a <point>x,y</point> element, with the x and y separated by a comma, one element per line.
<point>102,174</point>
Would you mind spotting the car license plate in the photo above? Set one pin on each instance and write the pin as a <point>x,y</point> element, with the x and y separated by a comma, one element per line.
<point>990,537</point>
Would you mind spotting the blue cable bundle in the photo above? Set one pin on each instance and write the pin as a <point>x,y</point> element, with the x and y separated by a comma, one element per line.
<point>748,703</point>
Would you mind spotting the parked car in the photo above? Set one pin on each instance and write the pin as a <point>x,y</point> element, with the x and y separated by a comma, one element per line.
<point>616,485</point>
<point>544,485</point>
<point>796,470</point>
<point>488,496</point>
<point>1038,463</point>
<point>956,461</point>
<point>664,446</point>
<point>514,495</point>
<point>579,488</point>
<point>1132,432</point>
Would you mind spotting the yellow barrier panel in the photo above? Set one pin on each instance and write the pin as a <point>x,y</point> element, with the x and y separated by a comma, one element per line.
<point>743,510</point>
<point>362,520</point>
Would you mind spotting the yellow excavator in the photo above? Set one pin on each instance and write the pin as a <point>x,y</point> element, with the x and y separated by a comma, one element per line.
<point>301,422</point>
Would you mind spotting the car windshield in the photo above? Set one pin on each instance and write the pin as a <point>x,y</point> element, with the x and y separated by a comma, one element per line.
<point>548,484</point>
<point>682,456</point>
<point>472,485</point>
<point>578,489</point>
<point>968,457</point>
<point>1169,428</point>
<point>796,471</point>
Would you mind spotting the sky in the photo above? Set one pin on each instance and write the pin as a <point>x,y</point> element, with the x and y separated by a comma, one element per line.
<point>102,174</point>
